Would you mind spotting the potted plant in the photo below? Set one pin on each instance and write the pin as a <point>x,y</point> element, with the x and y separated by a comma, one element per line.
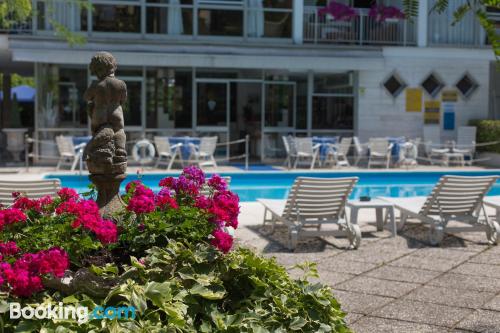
<point>382,13</point>
<point>338,11</point>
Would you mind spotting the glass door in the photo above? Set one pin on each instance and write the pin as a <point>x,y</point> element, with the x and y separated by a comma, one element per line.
<point>213,108</point>
<point>278,118</point>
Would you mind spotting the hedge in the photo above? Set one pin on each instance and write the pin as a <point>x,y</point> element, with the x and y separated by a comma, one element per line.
<point>487,131</point>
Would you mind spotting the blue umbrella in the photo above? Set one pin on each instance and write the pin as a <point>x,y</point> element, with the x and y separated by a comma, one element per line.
<point>23,93</point>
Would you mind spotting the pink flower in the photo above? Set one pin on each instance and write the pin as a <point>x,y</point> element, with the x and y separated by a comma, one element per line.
<point>226,208</point>
<point>10,216</point>
<point>222,241</point>
<point>194,174</point>
<point>9,248</point>
<point>25,204</point>
<point>67,194</point>
<point>69,207</point>
<point>167,182</point>
<point>141,204</point>
<point>132,185</point>
<point>164,200</point>
<point>202,202</point>
<point>217,183</point>
<point>106,232</point>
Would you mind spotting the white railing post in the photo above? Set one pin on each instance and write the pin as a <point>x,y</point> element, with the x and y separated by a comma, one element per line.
<point>247,145</point>
<point>422,23</point>
<point>316,26</point>
<point>298,21</point>
<point>361,29</point>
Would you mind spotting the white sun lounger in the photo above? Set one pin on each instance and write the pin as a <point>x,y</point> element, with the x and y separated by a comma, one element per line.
<point>311,203</point>
<point>33,189</point>
<point>454,198</point>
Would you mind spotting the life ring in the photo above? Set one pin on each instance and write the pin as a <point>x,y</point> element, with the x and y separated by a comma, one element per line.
<point>148,147</point>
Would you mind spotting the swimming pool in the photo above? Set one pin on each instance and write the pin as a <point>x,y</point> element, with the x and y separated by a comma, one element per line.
<point>275,185</point>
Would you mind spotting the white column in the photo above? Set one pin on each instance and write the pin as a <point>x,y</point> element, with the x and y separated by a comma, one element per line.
<point>298,21</point>
<point>422,23</point>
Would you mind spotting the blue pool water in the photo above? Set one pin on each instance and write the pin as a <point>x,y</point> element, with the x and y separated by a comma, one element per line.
<point>275,185</point>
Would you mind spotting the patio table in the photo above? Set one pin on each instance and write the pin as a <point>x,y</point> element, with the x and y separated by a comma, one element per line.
<point>325,142</point>
<point>185,140</point>
<point>379,206</point>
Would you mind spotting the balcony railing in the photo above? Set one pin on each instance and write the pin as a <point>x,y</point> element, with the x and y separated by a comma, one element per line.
<point>361,30</point>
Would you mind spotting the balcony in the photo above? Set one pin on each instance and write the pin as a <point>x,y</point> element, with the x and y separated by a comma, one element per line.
<point>361,30</point>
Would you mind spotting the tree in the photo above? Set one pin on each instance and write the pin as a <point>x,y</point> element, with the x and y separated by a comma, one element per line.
<point>479,7</point>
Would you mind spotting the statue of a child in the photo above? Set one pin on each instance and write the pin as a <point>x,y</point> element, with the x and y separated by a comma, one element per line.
<point>106,151</point>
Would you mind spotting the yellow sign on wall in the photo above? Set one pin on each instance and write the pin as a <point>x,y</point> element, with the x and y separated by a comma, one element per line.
<point>432,113</point>
<point>413,100</point>
<point>449,96</point>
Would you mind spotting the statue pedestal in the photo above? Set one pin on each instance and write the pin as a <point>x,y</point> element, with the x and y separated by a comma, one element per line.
<point>108,189</point>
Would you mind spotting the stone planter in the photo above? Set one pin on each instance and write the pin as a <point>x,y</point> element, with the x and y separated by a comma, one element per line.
<point>15,142</point>
<point>489,159</point>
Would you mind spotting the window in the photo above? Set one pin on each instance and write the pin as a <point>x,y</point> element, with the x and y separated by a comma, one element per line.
<point>432,84</point>
<point>116,18</point>
<point>466,85</point>
<point>394,85</point>
<point>220,22</point>
<point>333,83</point>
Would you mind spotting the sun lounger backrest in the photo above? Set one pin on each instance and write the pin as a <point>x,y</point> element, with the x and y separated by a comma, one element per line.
<point>33,189</point>
<point>208,144</point>
<point>319,198</point>
<point>378,146</point>
<point>65,145</point>
<point>304,145</point>
<point>162,144</point>
<point>345,145</point>
<point>457,195</point>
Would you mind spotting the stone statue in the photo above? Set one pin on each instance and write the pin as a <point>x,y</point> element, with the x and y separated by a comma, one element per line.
<point>105,154</point>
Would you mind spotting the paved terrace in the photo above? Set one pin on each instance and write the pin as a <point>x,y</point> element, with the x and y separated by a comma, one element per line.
<point>397,284</point>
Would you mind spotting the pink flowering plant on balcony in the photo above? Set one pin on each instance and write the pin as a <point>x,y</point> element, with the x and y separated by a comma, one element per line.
<point>338,11</point>
<point>381,13</point>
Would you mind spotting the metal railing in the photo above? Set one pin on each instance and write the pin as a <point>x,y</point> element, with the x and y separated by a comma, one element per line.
<point>361,30</point>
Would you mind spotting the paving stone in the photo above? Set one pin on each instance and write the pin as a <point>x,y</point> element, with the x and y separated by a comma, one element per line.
<point>373,286</point>
<point>459,244</point>
<point>493,304</point>
<point>341,263</point>
<point>352,317</point>
<point>360,303</point>
<point>374,255</point>
<point>487,257</point>
<point>444,253</point>
<point>425,313</point>
<point>422,262</point>
<point>450,297</point>
<point>482,321</point>
<point>382,325</point>
<point>478,270</point>
<point>467,282</point>
<point>404,274</point>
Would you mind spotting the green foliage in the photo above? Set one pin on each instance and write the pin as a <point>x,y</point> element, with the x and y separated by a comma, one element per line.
<point>194,288</point>
<point>487,131</point>
<point>18,80</point>
<point>410,7</point>
<point>14,11</point>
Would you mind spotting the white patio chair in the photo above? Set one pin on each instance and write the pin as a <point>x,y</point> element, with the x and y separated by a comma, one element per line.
<point>338,152</point>
<point>359,149</point>
<point>434,149</point>
<point>203,154</point>
<point>454,198</point>
<point>166,152</point>
<point>290,150</point>
<point>306,150</point>
<point>70,155</point>
<point>380,152</point>
<point>33,189</point>
<point>466,142</point>
<point>311,203</point>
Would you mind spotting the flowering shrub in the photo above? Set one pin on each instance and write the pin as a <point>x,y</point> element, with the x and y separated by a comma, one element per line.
<point>338,11</point>
<point>381,13</point>
<point>189,207</point>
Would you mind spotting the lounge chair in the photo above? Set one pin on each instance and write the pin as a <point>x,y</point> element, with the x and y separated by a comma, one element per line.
<point>338,152</point>
<point>433,147</point>
<point>306,150</point>
<point>454,198</point>
<point>380,152</point>
<point>291,154</point>
<point>466,142</point>
<point>33,189</point>
<point>203,154</point>
<point>166,152</point>
<point>359,149</point>
<point>311,203</point>
<point>70,155</point>
<point>206,190</point>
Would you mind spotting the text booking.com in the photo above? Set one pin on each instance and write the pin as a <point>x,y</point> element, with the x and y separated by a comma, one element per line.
<point>82,314</point>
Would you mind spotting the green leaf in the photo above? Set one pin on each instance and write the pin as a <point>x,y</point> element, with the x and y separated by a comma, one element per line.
<point>297,323</point>
<point>213,292</point>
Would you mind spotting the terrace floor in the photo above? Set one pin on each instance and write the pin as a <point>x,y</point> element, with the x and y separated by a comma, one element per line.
<point>397,284</point>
